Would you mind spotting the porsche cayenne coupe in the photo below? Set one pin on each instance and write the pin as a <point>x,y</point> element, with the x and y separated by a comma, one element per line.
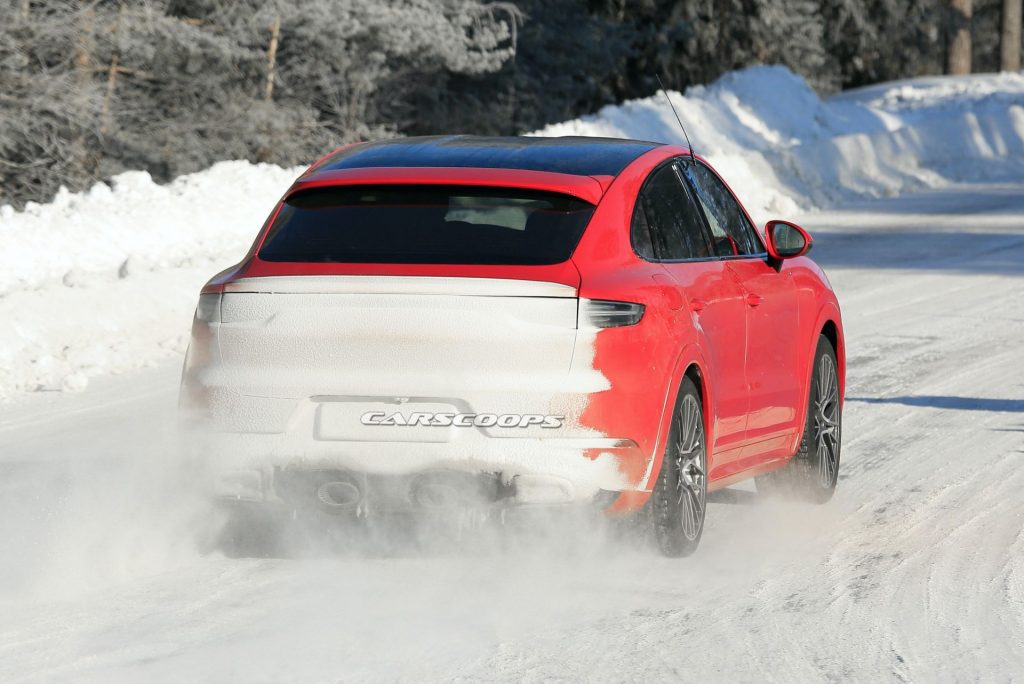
<point>451,323</point>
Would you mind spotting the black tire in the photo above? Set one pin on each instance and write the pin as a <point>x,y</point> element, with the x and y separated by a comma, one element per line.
<point>679,500</point>
<point>811,475</point>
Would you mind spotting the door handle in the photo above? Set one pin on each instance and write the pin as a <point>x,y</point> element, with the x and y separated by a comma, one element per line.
<point>754,300</point>
<point>698,305</point>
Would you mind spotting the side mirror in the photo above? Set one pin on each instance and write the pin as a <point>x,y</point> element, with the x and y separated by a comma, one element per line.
<point>787,240</point>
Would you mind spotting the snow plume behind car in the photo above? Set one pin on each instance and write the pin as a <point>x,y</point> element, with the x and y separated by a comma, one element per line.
<point>125,505</point>
<point>120,506</point>
<point>99,511</point>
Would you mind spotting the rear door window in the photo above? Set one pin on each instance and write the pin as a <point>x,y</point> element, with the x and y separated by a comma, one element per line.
<point>731,232</point>
<point>666,222</point>
<point>426,224</point>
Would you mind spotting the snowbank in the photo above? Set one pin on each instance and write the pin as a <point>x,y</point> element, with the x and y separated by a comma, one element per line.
<point>105,281</point>
<point>783,149</point>
<point>136,225</point>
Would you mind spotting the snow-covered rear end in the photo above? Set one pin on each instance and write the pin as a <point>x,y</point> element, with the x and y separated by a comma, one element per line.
<point>403,377</point>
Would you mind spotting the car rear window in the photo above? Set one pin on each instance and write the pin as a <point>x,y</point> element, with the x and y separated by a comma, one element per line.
<point>426,225</point>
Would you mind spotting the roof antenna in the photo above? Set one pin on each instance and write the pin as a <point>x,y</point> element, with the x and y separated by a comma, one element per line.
<point>680,121</point>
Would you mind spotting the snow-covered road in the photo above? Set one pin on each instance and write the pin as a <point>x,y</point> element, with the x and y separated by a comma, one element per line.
<point>915,570</point>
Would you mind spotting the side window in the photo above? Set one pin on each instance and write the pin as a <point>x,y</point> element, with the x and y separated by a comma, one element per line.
<point>666,222</point>
<point>731,232</point>
<point>640,233</point>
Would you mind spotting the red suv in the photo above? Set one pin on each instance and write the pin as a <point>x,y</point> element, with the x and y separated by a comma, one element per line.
<point>458,322</point>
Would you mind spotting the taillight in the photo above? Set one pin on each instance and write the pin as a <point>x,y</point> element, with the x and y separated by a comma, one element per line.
<point>208,309</point>
<point>603,313</point>
<point>202,347</point>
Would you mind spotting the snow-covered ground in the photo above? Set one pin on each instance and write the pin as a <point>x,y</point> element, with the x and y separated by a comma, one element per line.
<point>104,281</point>
<point>913,572</point>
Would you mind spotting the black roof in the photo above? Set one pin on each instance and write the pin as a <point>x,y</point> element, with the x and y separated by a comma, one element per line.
<point>578,156</point>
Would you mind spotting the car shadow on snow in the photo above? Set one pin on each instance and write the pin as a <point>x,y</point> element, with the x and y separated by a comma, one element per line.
<point>951,403</point>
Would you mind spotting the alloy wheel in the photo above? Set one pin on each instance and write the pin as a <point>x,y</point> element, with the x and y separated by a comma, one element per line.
<point>691,464</point>
<point>826,421</point>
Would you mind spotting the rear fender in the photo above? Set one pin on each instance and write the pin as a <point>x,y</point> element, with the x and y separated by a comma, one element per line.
<point>689,356</point>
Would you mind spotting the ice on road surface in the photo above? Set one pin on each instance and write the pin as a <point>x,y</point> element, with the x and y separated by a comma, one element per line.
<point>914,571</point>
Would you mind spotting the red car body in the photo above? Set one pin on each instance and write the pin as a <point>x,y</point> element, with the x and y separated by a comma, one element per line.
<point>743,328</point>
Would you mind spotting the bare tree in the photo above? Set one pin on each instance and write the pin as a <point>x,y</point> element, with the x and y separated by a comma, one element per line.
<point>1009,39</point>
<point>275,30</point>
<point>959,57</point>
<point>84,44</point>
<point>112,70</point>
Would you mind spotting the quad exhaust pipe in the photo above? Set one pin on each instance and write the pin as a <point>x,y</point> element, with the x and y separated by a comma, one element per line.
<point>436,495</point>
<point>338,494</point>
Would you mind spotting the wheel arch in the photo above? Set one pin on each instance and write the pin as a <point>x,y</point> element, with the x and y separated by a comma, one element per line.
<point>828,324</point>
<point>689,364</point>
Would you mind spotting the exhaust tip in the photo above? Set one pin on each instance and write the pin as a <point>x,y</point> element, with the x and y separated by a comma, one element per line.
<point>436,495</point>
<point>338,495</point>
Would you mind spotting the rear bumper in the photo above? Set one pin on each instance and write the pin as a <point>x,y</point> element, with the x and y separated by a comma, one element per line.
<point>354,494</point>
<point>257,467</point>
